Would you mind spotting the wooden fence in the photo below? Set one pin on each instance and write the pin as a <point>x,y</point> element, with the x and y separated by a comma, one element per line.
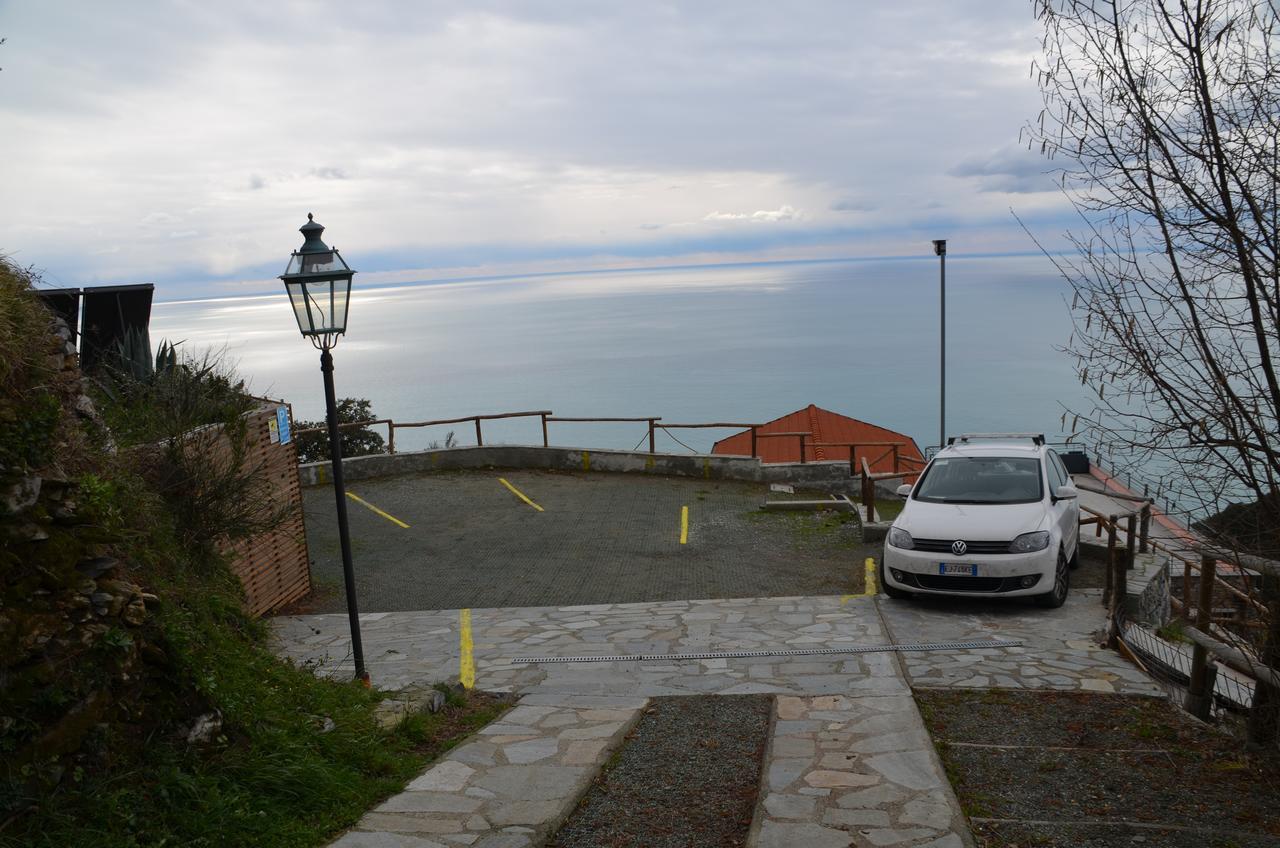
<point>274,566</point>
<point>901,464</point>
<point>1208,563</point>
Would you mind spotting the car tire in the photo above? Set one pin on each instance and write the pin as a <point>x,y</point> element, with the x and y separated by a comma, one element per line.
<point>1074,562</point>
<point>1057,596</point>
<point>892,591</point>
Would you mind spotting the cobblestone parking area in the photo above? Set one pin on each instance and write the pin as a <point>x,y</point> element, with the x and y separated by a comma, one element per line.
<point>452,540</point>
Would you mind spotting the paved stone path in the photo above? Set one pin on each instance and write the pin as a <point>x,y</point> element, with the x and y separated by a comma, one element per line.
<point>857,771</point>
<point>1061,651</point>
<point>850,762</point>
<point>507,788</point>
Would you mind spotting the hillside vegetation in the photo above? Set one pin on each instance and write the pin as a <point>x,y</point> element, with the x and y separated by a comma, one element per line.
<point>139,704</point>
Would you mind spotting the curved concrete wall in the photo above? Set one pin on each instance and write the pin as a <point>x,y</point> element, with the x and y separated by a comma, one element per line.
<point>832,476</point>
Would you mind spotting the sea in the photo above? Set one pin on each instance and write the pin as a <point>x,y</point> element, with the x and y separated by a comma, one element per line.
<point>738,343</point>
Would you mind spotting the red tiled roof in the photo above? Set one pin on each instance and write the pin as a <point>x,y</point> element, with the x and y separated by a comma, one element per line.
<point>825,427</point>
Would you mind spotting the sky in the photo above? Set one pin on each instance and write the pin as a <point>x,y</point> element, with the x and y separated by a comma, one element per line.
<point>183,143</point>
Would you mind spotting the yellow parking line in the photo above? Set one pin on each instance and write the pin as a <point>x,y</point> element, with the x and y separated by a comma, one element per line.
<point>870,588</point>
<point>466,663</point>
<point>370,506</point>
<point>519,494</point>
<point>684,525</point>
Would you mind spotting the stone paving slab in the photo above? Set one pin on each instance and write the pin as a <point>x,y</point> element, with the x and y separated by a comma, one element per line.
<point>845,771</point>
<point>509,786</point>
<point>419,647</point>
<point>850,763</point>
<point>1061,649</point>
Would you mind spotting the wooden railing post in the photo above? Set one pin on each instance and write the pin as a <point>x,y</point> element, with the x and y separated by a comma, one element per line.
<point>754,454</point>
<point>895,459</point>
<point>479,436</point>
<point>1144,531</point>
<point>1200,691</point>
<point>653,443</point>
<point>546,443</point>
<point>1108,592</point>
<point>391,437</point>
<point>1119,582</point>
<point>1131,531</point>
<point>1186,586</point>
<point>868,492</point>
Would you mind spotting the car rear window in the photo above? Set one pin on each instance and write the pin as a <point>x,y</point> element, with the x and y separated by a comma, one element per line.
<point>982,480</point>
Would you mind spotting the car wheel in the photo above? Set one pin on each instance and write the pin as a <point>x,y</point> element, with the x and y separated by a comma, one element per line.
<point>1074,562</point>
<point>891,591</point>
<point>1061,584</point>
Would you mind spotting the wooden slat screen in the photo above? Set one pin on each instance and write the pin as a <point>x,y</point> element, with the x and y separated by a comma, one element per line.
<point>274,567</point>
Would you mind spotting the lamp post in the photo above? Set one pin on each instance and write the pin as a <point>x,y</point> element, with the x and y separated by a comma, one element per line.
<point>318,282</point>
<point>940,250</point>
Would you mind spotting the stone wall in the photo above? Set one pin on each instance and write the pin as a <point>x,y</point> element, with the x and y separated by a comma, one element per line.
<point>828,476</point>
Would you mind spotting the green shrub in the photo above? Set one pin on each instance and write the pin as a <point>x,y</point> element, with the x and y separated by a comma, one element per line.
<point>356,441</point>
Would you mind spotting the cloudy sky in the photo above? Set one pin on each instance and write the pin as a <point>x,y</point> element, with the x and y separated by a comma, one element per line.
<point>183,143</point>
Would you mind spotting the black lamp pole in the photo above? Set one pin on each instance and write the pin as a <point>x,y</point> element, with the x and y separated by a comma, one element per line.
<point>940,249</point>
<point>340,494</point>
<point>318,282</point>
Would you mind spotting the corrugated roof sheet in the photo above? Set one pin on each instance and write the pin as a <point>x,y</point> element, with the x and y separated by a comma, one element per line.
<point>830,433</point>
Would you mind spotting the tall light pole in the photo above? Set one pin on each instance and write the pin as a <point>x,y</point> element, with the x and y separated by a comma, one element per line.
<point>318,281</point>
<point>940,250</point>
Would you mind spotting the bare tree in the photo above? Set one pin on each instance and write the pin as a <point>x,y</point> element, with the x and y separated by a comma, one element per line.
<point>1162,115</point>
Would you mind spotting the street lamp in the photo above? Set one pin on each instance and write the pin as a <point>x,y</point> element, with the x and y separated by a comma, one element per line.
<point>319,285</point>
<point>940,250</point>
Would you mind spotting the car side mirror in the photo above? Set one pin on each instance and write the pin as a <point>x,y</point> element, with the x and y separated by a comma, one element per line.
<point>904,491</point>
<point>1066,493</point>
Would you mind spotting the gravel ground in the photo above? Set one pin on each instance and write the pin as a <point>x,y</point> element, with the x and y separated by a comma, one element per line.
<point>688,775</point>
<point>1090,575</point>
<point>1072,769</point>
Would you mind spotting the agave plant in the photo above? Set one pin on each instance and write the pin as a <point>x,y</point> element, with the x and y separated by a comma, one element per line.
<point>133,354</point>
<point>166,358</point>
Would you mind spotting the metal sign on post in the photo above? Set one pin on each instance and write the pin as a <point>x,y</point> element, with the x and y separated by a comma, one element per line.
<point>282,424</point>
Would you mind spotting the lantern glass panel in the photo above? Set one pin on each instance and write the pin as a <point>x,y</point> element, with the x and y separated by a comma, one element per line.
<point>320,306</point>
<point>324,262</point>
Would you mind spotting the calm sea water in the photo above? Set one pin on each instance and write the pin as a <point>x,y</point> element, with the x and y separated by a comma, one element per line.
<point>742,343</point>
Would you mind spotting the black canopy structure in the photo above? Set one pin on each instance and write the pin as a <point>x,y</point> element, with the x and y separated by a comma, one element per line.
<point>64,303</point>
<point>109,314</point>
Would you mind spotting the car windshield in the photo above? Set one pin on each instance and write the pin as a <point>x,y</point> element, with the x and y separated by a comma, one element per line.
<point>981,480</point>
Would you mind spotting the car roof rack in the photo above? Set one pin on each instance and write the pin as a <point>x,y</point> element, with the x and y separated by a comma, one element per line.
<point>963,438</point>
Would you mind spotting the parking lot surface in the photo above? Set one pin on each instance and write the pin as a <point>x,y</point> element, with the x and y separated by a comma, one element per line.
<point>452,540</point>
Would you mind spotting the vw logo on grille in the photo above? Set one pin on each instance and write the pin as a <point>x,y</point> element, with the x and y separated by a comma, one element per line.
<point>958,547</point>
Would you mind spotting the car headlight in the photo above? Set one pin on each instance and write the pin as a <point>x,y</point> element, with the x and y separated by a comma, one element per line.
<point>900,538</point>
<point>1030,542</point>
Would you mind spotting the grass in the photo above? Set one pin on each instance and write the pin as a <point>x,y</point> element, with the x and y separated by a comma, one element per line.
<point>1172,631</point>
<point>838,529</point>
<point>270,778</point>
<point>887,510</point>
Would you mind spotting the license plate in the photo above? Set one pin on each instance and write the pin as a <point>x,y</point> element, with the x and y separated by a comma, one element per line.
<point>957,568</point>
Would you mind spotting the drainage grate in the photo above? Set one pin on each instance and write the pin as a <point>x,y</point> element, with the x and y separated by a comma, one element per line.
<point>794,652</point>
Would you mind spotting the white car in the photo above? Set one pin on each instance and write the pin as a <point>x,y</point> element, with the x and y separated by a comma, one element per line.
<point>992,514</point>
